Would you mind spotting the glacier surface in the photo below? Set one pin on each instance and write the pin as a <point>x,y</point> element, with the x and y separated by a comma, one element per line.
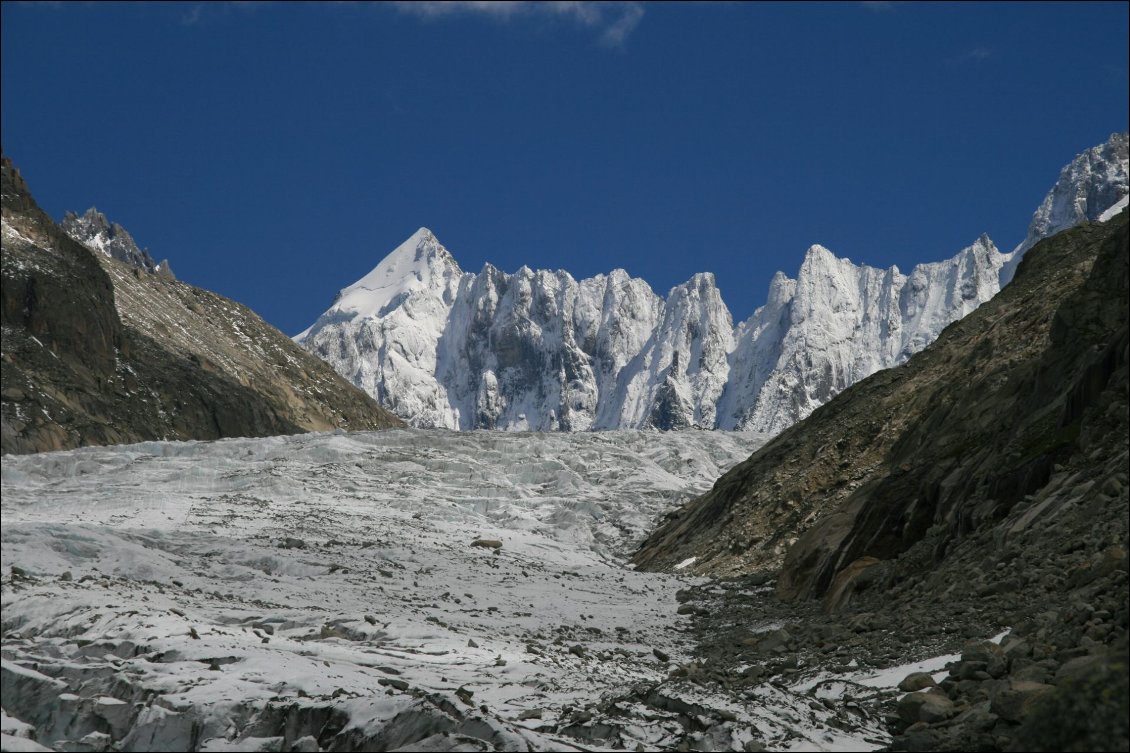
<point>323,592</point>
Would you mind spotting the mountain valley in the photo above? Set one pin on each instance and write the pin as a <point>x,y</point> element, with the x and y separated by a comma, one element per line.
<point>926,557</point>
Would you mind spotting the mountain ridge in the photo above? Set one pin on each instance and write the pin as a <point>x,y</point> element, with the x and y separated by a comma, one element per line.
<point>97,233</point>
<point>608,352</point>
<point>979,489</point>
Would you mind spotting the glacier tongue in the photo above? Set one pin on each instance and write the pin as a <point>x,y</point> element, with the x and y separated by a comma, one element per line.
<point>539,350</point>
<point>248,593</point>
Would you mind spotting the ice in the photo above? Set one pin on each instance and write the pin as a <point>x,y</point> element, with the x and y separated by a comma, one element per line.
<point>188,593</point>
<point>248,594</point>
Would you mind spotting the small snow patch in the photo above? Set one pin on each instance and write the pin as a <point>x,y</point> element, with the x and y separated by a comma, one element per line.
<point>1115,210</point>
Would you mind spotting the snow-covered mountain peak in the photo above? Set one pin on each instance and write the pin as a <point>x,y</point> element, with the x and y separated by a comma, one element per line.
<point>980,253</point>
<point>818,253</point>
<point>540,350</point>
<point>1087,186</point>
<point>418,265</point>
<point>781,290</point>
<point>701,283</point>
<point>419,251</point>
<point>820,264</point>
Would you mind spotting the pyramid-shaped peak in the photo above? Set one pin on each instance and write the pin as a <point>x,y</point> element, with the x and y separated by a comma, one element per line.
<point>419,266</point>
<point>419,247</point>
<point>423,235</point>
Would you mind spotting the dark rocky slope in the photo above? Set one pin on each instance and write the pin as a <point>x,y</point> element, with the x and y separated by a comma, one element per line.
<point>82,365</point>
<point>982,486</point>
<point>982,421</point>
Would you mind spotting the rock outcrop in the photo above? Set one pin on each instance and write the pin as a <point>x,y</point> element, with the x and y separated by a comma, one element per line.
<point>94,231</point>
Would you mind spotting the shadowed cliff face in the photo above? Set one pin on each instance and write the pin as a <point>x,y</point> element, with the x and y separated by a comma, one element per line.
<point>1008,426</point>
<point>81,366</point>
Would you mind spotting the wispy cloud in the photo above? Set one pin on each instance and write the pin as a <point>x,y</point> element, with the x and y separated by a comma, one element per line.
<point>201,12</point>
<point>48,4</point>
<point>972,55</point>
<point>613,21</point>
<point>192,15</point>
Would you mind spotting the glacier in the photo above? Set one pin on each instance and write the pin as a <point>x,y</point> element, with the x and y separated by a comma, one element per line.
<point>323,591</point>
<point>540,350</point>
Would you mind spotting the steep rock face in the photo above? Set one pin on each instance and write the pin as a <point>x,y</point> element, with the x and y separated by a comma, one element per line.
<point>94,231</point>
<point>1012,424</point>
<point>1093,186</point>
<point>838,323</point>
<point>96,351</point>
<point>540,350</point>
<point>511,357</point>
<point>678,376</point>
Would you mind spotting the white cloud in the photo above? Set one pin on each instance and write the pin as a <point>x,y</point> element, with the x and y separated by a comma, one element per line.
<point>616,32</point>
<point>613,21</point>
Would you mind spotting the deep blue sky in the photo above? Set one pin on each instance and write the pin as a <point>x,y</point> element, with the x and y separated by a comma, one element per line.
<point>275,153</point>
